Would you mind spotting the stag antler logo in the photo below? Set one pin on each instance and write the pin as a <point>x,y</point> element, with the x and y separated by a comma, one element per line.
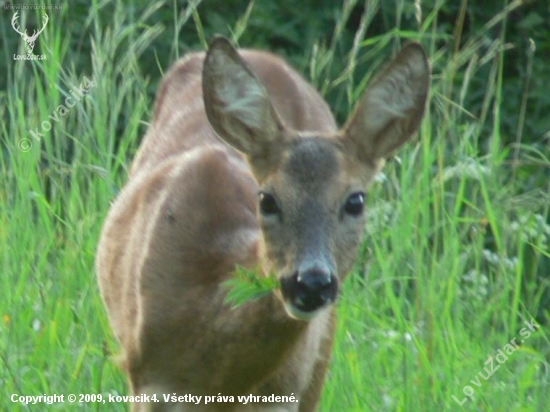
<point>28,39</point>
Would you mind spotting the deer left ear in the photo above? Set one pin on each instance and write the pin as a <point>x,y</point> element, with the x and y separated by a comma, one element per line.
<point>236,102</point>
<point>391,109</point>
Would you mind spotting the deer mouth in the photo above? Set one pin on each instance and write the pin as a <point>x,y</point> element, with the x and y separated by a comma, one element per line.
<point>306,294</point>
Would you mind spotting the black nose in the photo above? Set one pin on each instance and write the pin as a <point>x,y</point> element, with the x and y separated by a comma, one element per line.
<point>310,290</point>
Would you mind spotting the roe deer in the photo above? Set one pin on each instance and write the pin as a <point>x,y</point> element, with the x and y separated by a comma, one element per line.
<point>243,164</point>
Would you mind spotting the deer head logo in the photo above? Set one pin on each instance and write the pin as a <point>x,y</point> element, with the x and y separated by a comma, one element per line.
<point>28,39</point>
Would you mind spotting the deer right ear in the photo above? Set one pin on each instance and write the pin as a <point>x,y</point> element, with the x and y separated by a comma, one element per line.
<point>237,104</point>
<point>391,109</point>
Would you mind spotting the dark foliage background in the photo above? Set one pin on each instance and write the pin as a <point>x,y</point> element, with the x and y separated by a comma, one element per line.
<point>293,29</point>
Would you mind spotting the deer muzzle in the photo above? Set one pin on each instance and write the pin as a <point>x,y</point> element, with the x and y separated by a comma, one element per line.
<point>307,292</point>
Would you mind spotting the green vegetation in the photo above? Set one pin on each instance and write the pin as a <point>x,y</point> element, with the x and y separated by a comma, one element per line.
<point>247,285</point>
<point>456,258</point>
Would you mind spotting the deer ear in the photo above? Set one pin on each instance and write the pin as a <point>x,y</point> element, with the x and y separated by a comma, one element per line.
<point>237,104</point>
<point>391,109</point>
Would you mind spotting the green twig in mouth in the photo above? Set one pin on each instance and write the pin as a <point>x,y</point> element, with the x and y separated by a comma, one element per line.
<point>248,285</point>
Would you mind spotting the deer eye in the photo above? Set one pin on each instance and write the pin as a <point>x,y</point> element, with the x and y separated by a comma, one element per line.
<point>268,204</point>
<point>355,204</point>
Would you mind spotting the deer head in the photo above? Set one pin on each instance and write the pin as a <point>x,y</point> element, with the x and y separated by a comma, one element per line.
<point>28,39</point>
<point>312,184</point>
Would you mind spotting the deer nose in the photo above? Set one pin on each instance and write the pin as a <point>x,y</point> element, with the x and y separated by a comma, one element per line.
<point>311,289</point>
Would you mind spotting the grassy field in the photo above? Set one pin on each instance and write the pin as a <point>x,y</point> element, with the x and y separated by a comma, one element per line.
<point>454,264</point>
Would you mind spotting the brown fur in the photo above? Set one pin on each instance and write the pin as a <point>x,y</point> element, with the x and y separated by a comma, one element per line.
<point>189,215</point>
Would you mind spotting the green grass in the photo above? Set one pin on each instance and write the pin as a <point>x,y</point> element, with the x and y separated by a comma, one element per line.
<point>451,268</point>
